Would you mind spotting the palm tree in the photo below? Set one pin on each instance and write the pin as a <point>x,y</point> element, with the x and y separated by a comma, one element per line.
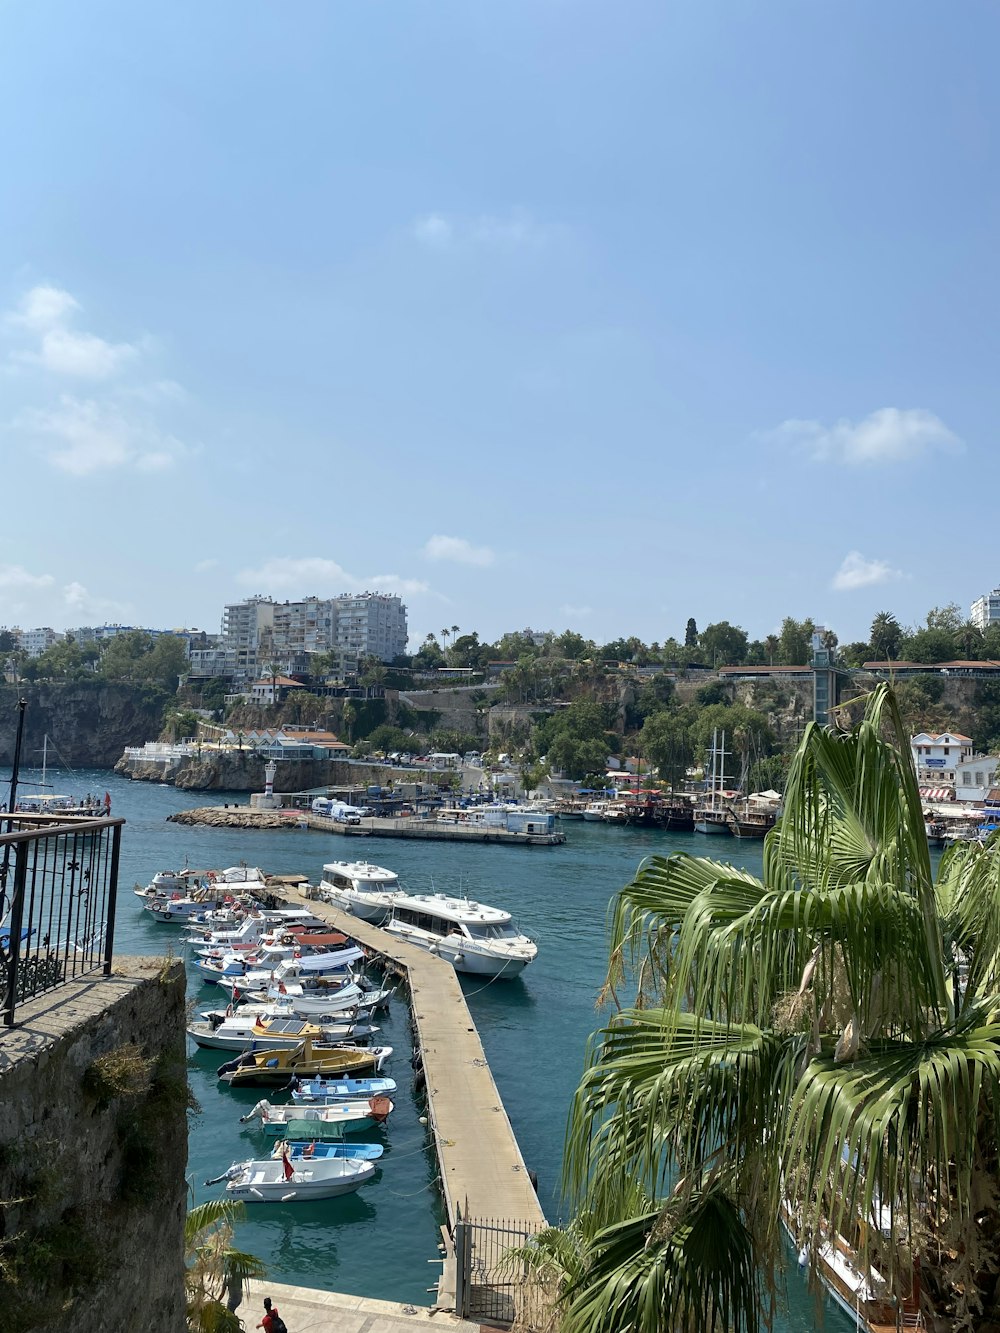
<point>820,1045</point>
<point>214,1264</point>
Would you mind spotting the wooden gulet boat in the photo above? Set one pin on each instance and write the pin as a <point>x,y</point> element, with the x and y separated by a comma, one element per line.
<point>274,1068</point>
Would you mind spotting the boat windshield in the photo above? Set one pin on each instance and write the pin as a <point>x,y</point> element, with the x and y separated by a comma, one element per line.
<point>503,931</point>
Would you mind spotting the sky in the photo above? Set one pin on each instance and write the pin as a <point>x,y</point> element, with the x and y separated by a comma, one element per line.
<point>544,313</point>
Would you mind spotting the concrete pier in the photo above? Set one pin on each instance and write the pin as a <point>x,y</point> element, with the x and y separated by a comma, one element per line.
<point>482,1171</point>
<point>222,816</point>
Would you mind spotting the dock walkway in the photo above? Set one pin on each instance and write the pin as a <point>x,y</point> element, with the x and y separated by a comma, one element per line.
<point>482,1171</point>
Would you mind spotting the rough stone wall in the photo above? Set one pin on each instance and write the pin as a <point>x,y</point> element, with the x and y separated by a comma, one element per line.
<point>233,771</point>
<point>89,723</point>
<point>93,1151</point>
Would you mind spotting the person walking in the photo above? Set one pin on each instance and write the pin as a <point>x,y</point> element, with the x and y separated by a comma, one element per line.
<point>272,1321</point>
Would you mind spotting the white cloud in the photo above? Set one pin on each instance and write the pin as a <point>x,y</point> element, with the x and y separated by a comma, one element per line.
<point>857,572</point>
<point>47,312</point>
<point>458,550</point>
<point>575,612</point>
<point>84,435</point>
<point>313,575</point>
<point>890,435</point>
<point>204,566</point>
<point>514,230</point>
<point>16,579</point>
<point>306,575</point>
<point>433,230</point>
<point>43,308</point>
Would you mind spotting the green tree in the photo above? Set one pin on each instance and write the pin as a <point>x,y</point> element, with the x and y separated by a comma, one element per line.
<point>886,637</point>
<point>948,618</point>
<point>855,654</point>
<point>929,645</point>
<point>665,741</point>
<point>213,1264</point>
<point>795,642</point>
<point>824,1039</point>
<point>572,645</point>
<point>723,644</point>
<point>691,633</point>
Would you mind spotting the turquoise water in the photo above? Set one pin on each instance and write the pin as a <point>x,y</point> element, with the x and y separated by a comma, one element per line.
<point>534,1030</point>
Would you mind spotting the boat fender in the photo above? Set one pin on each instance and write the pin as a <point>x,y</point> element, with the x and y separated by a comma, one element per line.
<point>803,1256</point>
<point>290,1195</point>
<point>434,950</point>
<point>533,1177</point>
<point>460,958</point>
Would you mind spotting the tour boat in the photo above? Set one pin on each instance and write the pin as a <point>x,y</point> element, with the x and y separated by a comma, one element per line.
<point>342,1089</point>
<point>274,1067</point>
<point>368,891</point>
<point>472,937</point>
<point>349,1117</point>
<point>595,811</point>
<point>222,1032</point>
<point>278,1180</point>
<point>712,816</point>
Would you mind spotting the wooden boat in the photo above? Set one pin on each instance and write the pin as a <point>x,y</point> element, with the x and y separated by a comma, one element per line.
<point>343,1117</point>
<point>279,1180</point>
<point>677,816</point>
<point>274,1068</point>
<point>751,823</point>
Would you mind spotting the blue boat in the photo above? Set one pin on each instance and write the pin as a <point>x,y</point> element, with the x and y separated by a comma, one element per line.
<point>319,1090</point>
<point>363,1152</point>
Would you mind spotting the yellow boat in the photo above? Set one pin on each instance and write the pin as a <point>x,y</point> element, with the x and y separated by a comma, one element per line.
<point>276,1067</point>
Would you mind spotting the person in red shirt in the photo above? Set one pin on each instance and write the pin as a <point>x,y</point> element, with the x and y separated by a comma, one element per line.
<point>272,1321</point>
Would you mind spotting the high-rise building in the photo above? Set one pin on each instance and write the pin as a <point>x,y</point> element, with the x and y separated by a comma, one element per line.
<point>259,632</point>
<point>371,624</point>
<point>986,610</point>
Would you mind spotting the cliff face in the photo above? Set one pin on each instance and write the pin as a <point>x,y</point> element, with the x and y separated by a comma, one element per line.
<point>244,771</point>
<point>88,723</point>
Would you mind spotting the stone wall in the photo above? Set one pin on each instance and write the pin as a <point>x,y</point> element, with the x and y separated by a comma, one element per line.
<point>93,1151</point>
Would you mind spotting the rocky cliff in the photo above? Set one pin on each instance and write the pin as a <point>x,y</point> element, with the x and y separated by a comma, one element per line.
<point>88,723</point>
<point>237,770</point>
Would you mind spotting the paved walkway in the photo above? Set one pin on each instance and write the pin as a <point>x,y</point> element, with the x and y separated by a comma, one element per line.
<point>308,1311</point>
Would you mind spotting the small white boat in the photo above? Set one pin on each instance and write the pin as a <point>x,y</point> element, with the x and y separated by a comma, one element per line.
<point>317,1005</point>
<point>352,1116</point>
<point>330,966</point>
<point>280,1180</point>
<point>366,890</point>
<point>472,937</point>
<point>238,1032</point>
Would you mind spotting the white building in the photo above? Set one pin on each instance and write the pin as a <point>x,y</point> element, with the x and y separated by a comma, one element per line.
<point>986,610</point>
<point>371,624</point>
<point>937,757</point>
<point>35,641</point>
<point>246,631</point>
<point>975,776</point>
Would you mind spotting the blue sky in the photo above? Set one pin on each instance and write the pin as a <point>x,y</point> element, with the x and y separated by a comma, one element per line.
<point>549,312</point>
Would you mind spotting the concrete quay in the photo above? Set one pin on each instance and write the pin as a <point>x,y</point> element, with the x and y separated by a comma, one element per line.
<point>309,1311</point>
<point>481,1169</point>
<point>223,816</point>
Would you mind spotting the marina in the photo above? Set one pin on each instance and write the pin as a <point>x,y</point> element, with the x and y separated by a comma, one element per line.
<point>532,1032</point>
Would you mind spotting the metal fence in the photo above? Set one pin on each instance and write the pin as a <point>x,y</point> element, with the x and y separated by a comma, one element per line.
<point>491,1281</point>
<point>58,889</point>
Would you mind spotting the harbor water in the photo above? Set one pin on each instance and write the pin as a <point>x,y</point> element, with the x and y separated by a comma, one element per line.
<point>379,1241</point>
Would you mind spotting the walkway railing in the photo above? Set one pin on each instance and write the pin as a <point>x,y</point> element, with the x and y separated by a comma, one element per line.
<point>58,890</point>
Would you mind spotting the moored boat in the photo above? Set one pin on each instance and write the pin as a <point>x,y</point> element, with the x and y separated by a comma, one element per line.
<point>274,1067</point>
<point>342,1089</point>
<point>280,1180</point>
<point>236,1032</point>
<point>315,1148</point>
<point>367,891</point>
<point>472,937</point>
<point>349,1116</point>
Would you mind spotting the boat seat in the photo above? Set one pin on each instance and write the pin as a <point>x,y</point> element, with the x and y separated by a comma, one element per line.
<point>258,1178</point>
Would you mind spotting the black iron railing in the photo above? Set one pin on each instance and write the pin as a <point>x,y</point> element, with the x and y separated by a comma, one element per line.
<point>58,889</point>
<point>493,1284</point>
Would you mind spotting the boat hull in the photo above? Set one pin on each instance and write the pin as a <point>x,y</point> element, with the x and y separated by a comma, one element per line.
<point>463,959</point>
<point>265,1182</point>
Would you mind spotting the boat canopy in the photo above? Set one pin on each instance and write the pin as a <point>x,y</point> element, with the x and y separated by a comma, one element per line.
<point>322,962</point>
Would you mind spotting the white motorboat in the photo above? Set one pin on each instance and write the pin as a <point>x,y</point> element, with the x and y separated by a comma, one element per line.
<point>219,1031</point>
<point>595,811</point>
<point>351,1116</point>
<point>281,1180</point>
<point>331,966</point>
<point>318,1004</point>
<point>472,937</point>
<point>290,920</point>
<point>366,890</point>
